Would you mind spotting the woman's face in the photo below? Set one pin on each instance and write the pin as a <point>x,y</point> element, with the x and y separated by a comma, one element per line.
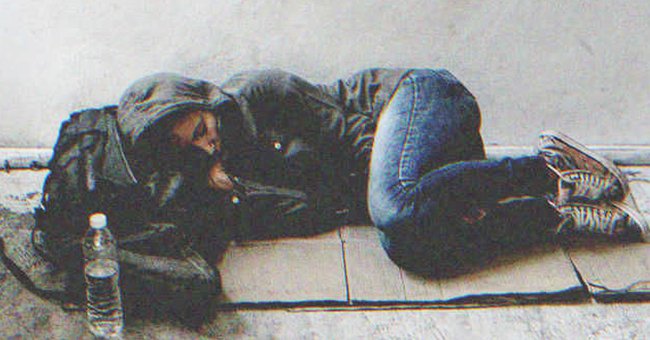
<point>198,128</point>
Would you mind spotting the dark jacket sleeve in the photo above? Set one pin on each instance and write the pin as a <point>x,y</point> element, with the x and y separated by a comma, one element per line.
<point>251,211</point>
<point>264,211</point>
<point>278,100</point>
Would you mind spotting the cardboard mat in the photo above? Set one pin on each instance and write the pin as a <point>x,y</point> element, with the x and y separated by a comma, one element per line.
<point>541,274</point>
<point>349,266</point>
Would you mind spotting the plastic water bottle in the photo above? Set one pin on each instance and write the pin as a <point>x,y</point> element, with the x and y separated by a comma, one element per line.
<point>101,269</point>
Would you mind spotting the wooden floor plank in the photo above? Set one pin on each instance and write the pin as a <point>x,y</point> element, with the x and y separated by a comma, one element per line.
<point>372,276</point>
<point>284,272</point>
<point>640,186</point>
<point>619,271</point>
<point>541,271</point>
<point>615,270</point>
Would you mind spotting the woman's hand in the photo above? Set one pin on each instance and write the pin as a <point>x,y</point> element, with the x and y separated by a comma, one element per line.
<point>217,178</point>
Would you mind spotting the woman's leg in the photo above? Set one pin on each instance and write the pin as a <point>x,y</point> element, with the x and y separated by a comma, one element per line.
<point>429,183</point>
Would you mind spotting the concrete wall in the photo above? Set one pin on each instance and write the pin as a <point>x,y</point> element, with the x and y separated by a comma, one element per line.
<point>579,66</point>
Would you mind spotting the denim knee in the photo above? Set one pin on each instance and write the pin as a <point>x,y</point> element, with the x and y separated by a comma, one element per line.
<point>434,257</point>
<point>415,255</point>
<point>425,73</point>
<point>400,232</point>
<point>443,81</point>
<point>388,210</point>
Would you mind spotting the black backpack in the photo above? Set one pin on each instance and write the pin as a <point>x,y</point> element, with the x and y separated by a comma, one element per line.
<point>88,173</point>
<point>71,191</point>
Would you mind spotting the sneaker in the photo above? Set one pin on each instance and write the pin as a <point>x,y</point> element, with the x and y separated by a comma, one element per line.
<point>562,153</point>
<point>585,186</point>
<point>615,220</point>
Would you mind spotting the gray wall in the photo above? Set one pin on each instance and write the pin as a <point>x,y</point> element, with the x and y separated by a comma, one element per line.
<point>579,66</point>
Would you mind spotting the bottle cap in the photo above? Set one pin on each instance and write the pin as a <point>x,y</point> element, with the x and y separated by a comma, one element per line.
<point>97,221</point>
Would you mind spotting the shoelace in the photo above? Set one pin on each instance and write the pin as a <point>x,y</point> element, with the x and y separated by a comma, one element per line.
<point>557,158</point>
<point>559,155</point>
<point>588,218</point>
<point>585,184</point>
<point>553,152</point>
<point>560,158</point>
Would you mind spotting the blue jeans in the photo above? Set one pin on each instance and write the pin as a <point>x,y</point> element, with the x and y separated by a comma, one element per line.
<point>433,195</point>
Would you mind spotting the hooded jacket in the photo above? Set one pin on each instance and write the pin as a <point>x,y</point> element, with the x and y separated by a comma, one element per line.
<point>298,153</point>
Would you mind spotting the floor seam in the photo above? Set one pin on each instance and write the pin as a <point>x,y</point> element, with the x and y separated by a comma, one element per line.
<point>583,282</point>
<point>401,278</point>
<point>345,269</point>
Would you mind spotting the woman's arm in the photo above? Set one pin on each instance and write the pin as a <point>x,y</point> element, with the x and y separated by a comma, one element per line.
<point>266,211</point>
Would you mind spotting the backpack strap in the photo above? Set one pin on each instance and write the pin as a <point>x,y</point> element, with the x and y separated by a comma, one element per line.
<point>23,278</point>
<point>115,166</point>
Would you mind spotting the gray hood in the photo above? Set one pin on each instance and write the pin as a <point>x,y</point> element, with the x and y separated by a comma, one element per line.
<point>154,97</point>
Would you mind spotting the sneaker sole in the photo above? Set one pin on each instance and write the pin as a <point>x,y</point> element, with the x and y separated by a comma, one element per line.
<point>638,218</point>
<point>606,163</point>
